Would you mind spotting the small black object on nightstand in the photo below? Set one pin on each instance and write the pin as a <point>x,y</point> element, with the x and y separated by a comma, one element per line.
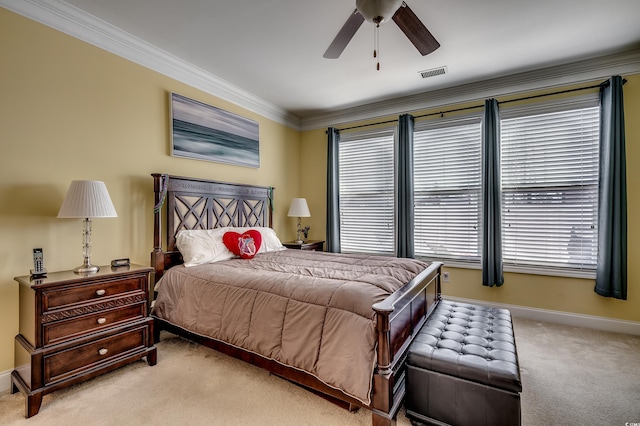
<point>38,270</point>
<point>310,245</point>
<point>117,263</point>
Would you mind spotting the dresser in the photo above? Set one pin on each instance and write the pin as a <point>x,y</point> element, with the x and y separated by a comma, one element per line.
<point>74,327</point>
<point>311,245</point>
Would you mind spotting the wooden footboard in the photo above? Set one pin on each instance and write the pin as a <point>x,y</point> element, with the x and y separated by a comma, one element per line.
<point>399,318</point>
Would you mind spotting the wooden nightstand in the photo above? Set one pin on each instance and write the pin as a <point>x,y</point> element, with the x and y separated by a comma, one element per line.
<point>311,245</point>
<point>74,327</point>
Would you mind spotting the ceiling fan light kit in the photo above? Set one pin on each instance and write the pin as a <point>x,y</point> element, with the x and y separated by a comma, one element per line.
<point>379,11</point>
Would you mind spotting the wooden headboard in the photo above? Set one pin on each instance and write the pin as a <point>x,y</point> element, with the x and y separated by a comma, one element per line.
<point>192,203</point>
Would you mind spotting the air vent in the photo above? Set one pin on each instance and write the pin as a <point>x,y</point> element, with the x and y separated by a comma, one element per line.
<point>433,72</point>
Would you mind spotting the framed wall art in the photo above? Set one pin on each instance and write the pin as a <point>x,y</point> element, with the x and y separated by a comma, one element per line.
<point>204,132</point>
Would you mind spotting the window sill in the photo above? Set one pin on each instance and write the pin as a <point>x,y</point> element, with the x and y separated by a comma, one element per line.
<point>552,272</point>
<point>520,269</point>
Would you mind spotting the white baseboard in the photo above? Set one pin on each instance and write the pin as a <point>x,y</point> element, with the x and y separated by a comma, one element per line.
<point>559,317</point>
<point>5,381</point>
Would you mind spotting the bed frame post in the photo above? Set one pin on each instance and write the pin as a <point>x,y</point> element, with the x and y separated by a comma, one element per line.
<point>378,420</point>
<point>157,256</point>
<point>382,399</point>
<point>384,341</point>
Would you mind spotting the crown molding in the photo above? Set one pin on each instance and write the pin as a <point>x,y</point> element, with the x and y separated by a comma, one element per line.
<point>603,67</point>
<point>70,20</point>
<point>76,23</point>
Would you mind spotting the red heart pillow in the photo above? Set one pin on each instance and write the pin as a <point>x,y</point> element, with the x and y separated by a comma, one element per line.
<point>244,245</point>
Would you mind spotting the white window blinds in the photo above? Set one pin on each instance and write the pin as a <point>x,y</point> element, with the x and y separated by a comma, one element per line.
<point>550,188</point>
<point>366,176</point>
<point>447,183</point>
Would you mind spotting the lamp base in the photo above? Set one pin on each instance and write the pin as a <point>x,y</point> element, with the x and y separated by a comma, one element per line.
<point>86,268</point>
<point>298,241</point>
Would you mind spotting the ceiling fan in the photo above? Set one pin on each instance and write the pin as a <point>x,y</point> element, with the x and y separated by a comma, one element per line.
<point>379,11</point>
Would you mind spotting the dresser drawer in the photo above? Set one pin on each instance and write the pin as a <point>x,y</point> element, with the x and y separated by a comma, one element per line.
<point>57,298</point>
<point>74,327</point>
<point>80,358</point>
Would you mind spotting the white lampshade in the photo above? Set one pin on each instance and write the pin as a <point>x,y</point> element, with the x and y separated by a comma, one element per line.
<point>87,199</point>
<point>299,208</point>
<point>378,11</point>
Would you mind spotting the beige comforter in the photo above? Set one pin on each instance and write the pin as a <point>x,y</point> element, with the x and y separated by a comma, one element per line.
<point>308,310</point>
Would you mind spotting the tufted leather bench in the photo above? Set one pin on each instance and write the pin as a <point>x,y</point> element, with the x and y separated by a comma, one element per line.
<point>462,368</point>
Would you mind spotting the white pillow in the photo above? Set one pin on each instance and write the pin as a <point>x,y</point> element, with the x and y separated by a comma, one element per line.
<point>270,241</point>
<point>199,246</point>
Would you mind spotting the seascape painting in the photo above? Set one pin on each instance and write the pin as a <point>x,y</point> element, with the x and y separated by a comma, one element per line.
<point>204,132</point>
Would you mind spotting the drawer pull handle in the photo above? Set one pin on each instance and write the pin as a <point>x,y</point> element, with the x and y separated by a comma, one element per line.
<point>103,351</point>
<point>102,320</point>
<point>100,292</point>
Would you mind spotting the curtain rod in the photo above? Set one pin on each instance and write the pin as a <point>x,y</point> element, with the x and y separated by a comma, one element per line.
<point>442,113</point>
<point>603,84</point>
<point>367,125</point>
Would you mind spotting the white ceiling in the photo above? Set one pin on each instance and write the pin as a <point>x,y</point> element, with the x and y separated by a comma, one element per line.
<point>273,49</point>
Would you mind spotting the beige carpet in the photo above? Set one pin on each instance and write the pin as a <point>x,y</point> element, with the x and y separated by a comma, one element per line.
<point>571,376</point>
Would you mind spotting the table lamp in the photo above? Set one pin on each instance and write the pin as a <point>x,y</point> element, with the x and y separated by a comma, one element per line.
<point>299,208</point>
<point>87,199</point>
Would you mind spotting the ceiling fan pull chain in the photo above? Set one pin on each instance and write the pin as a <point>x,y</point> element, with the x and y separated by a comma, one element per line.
<point>376,45</point>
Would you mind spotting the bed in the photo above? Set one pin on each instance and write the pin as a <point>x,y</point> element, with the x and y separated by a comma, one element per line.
<point>338,297</point>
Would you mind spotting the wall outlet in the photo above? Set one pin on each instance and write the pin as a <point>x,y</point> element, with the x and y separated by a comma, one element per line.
<point>445,277</point>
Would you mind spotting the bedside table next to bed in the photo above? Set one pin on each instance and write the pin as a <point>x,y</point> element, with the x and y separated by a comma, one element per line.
<point>76,326</point>
<point>311,245</point>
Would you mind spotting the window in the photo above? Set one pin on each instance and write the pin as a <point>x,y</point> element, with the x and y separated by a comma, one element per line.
<point>549,176</point>
<point>447,189</point>
<point>550,186</point>
<point>367,192</point>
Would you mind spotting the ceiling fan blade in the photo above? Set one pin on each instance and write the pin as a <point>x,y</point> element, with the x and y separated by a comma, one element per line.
<point>345,35</point>
<point>415,30</point>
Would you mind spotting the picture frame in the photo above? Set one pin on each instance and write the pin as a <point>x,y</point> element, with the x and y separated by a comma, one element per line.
<point>204,132</point>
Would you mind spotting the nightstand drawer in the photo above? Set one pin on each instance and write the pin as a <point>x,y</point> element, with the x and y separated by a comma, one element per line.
<point>75,327</point>
<point>88,292</point>
<point>91,355</point>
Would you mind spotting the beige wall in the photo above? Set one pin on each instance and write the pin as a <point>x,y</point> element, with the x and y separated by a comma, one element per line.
<point>536,291</point>
<point>69,110</point>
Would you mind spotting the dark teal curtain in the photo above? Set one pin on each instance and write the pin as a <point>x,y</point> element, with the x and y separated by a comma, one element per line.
<point>491,192</point>
<point>611,272</point>
<point>405,219</point>
<point>333,191</point>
